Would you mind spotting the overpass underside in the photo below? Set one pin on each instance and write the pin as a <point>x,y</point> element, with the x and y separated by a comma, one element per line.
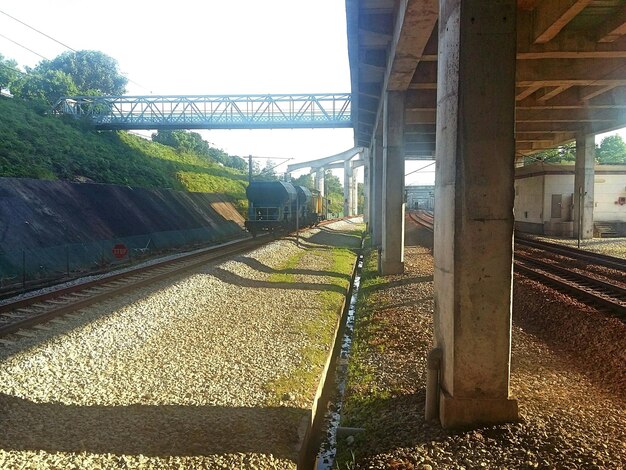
<point>478,85</point>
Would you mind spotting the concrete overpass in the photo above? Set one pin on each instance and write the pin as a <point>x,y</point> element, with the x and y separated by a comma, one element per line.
<point>337,161</point>
<point>479,84</point>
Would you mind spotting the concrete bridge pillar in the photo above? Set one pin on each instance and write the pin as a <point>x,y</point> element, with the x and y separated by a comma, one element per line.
<point>474,219</point>
<point>366,186</point>
<point>319,181</point>
<point>347,191</point>
<point>355,193</point>
<point>392,253</point>
<point>583,186</point>
<point>377,192</point>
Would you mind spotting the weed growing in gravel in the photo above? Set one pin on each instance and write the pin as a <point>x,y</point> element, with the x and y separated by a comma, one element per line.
<point>318,330</point>
<point>364,395</point>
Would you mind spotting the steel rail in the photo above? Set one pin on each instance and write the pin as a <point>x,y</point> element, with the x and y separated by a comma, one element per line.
<point>587,288</point>
<point>575,253</point>
<point>56,303</point>
<point>574,283</point>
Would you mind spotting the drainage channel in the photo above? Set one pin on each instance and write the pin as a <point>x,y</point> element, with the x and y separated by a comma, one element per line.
<point>328,448</point>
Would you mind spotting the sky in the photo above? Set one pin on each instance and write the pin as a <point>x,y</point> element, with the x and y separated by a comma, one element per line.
<point>207,47</point>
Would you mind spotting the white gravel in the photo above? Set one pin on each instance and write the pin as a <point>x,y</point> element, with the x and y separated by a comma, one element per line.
<point>174,376</point>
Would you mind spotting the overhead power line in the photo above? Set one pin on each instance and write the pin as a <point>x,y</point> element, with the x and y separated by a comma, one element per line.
<point>23,47</point>
<point>58,42</point>
<point>40,32</point>
<point>420,169</point>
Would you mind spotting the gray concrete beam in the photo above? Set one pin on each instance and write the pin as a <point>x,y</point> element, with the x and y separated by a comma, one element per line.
<point>583,186</point>
<point>474,210</point>
<point>320,162</point>
<point>347,189</point>
<point>377,189</point>
<point>392,253</point>
<point>366,186</point>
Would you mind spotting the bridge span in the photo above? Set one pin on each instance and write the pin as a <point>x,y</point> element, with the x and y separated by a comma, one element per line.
<point>285,111</point>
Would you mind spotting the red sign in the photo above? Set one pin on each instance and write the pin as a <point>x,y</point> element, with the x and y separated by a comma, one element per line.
<point>120,251</point>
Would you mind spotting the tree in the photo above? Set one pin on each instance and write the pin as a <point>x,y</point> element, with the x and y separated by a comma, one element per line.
<point>611,151</point>
<point>44,88</point>
<point>305,180</point>
<point>267,173</point>
<point>93,72</point>
<point>192,142</point>
<point>563,154</point>
<point>334,193</point>
<point>8,72</point>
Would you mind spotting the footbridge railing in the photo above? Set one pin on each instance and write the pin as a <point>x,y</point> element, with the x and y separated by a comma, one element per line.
<point>211,111</point>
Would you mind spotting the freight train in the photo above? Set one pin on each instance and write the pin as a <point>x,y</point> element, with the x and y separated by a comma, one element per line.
<point>280,206</point>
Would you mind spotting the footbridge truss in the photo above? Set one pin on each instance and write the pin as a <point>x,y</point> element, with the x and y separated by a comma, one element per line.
<point>211,111</point>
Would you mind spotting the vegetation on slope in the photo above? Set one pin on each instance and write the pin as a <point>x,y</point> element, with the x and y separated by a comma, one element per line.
<point>48,147</point>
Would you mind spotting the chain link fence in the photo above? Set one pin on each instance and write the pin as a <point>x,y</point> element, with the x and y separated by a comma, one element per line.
<point>21,269</point>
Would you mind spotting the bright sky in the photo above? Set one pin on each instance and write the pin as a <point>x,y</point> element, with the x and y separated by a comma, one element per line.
<point>207,47</point>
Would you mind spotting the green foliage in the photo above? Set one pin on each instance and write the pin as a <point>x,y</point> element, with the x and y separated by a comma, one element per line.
<point>334,193</point>
<point>266,174</point>
<point>47,147</point>
<point>93,72</point>
<point>565,154</point>
<point>8,72</point>
<point>611,151</point>
<point>192,142</point>
<point>305,180</point>
<point>44,88</point>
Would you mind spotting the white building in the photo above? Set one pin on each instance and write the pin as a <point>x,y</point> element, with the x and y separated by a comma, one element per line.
<point>544,199</point>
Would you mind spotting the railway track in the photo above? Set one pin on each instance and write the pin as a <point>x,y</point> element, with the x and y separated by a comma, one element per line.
<point>539,263</point>
<point>24,313</point>
<point>18,315</point>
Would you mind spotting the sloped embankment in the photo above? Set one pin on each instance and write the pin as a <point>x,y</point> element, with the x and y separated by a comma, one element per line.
<point>36,215</point>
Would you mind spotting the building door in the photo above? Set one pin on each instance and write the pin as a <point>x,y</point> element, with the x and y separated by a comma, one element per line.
<point>557,203</point>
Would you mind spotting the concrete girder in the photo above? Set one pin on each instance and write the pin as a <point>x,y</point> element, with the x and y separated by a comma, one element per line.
<point>342,156</point>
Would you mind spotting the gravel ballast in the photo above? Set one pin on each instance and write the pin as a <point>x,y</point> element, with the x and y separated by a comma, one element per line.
<point>180,375</point>
<point>568,373</point>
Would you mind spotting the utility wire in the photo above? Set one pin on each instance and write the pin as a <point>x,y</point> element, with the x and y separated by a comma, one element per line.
<point>58,42</point>
<point>419,169</point>
<point>40,32</point>
<point>23,47</point>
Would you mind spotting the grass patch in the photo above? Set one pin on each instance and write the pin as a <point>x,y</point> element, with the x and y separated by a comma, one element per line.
<point>364,399</point>
<point>319,330</point>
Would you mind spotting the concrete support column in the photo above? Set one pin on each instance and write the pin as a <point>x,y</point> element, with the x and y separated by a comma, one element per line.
<point>366,186</point>
<point>474,219</point>
<point>319,181</point>
<point>583,186</point>
<point>392,253</point>
<point>347,191</point>
<point>377,192</point>
<point>354,191</point>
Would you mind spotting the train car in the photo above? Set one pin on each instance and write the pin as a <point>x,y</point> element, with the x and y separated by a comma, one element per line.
<point>276,205</point>
<point>271,206</point>
<point>318,206</point>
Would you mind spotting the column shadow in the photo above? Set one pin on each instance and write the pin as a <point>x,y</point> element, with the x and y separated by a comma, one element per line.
<point>152,430</point>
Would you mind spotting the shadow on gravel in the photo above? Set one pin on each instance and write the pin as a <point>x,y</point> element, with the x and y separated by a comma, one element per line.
<point>258,266</point>
<point>333,238</point>
<point>397,283</point>
<point>226,276</point>
<point>151,430</point>
<point>416,235</point>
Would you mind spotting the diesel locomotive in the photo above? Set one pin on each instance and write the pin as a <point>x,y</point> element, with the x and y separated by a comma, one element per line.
<point>280,206</point>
